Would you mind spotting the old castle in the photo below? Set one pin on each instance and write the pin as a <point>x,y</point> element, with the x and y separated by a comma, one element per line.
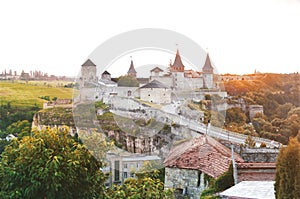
<point>160,88</point>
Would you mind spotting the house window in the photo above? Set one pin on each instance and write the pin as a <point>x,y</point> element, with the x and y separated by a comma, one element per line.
<point>125,175</point>
<point>125,166</point>
<point>129,93</point>
<point>199,179</point>
<point>117,170</point>
<point>149,95</point>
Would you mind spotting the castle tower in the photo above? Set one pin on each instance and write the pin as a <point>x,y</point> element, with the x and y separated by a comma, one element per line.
<point>88,73</point>
<point>177,66</point>
<point>208,73</point>
<point>131,72</point>
<point>177,71</point>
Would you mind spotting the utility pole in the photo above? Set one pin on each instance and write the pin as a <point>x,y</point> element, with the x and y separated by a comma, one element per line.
<point>234,166</point>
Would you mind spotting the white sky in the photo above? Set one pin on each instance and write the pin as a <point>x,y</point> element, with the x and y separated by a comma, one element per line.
<point>58,36</point>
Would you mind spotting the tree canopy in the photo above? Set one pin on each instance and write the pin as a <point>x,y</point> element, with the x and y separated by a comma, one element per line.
<point>50,164</point>
<point>287,182</point>
<point>146,186</point>
<point>128,81</point>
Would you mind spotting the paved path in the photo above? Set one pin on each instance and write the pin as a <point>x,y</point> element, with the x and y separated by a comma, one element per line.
<point>169,113</point>
<point>224,134</point>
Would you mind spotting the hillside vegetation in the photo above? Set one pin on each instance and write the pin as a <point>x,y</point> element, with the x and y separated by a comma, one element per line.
<point>23,94</point>
<point>279,94</point>
<point>264,82</point>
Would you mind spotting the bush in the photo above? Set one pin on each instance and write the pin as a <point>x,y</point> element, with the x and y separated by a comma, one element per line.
<point>263,145</point>
<point>225,180</point>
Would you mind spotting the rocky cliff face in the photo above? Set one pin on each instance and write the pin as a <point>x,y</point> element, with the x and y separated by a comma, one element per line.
<point>54,117</point>
<point>145,140</point>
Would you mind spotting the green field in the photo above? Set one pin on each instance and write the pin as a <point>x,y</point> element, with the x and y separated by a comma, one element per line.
<point>24,94</point>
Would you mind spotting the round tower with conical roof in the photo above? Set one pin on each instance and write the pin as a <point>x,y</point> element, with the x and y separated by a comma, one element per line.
<point>177,71</point>
<point>208,73</point>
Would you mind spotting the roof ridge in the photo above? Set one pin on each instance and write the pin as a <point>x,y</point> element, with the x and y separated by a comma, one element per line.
<point>88,62</point>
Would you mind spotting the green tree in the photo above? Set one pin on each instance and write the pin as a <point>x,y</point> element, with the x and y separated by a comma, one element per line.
<point>287,181</point>
<point>20,128</point>
<point>283,110</point>
<point>50,164</point>
<point>145,187</point>
<point>223,182</point>
<point>235,115</point>
<point>128,81</point>
<point>3,144</point>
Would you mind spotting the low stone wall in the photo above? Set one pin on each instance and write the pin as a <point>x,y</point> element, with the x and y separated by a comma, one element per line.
<point>189,182</point>
<point>259,155</point>
<point>255,154</point>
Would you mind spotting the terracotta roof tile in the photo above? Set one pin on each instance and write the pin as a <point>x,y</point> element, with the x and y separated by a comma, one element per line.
<point>202,153</point>
<point>256,165</point>
<point>177,65</point>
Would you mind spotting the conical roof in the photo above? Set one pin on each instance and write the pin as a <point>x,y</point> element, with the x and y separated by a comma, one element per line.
<point>207,68</point>
<point>88,63</point>
<point>131,68</point>
<point>178,65</point>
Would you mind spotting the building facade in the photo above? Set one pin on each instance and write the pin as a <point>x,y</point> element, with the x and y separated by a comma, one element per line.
<point>155,92</point>
<point>180,79</point>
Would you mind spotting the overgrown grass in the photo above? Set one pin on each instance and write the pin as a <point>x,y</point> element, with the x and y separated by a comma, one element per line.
<point>24,94</point>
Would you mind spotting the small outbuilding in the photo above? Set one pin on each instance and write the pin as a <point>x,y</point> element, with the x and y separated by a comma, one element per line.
<point>187,163</point>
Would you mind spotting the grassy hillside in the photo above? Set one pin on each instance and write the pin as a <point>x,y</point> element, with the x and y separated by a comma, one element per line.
<point>27,94</point>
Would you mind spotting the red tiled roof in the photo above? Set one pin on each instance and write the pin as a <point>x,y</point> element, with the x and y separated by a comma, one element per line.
<point>177,65</point>
<point>202,153</point>
<point>257,165</point>
<point>258,171</point>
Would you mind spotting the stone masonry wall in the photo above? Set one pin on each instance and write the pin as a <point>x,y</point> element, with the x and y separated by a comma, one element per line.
<point>190,182</point>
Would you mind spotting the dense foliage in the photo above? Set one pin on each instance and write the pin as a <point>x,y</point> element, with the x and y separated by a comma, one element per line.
<point>128,81</point>
<point>10,114</point>
<point>56,116</point>
<point>50,164</point>
<point>146,186</point>
<point>287,182</point>
<point>222,183</point>
<point>279,96</point>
